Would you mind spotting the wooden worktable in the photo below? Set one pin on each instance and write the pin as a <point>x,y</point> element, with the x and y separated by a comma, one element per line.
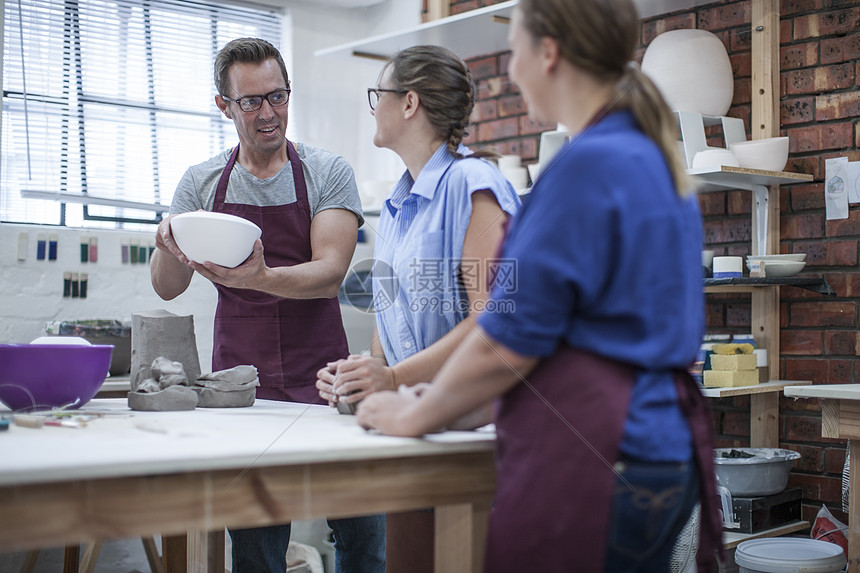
<point>130,474</point>
<point>840,418</point>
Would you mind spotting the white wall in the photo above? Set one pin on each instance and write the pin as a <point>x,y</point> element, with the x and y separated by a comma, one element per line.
<point>31,291</point>
<point>328,109</point>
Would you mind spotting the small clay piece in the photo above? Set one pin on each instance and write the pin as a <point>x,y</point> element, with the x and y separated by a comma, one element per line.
<point>232,388</point>
<point>171,399</point>
<point>348,408</point>
<point>148,386</point>
<point>166,391</point>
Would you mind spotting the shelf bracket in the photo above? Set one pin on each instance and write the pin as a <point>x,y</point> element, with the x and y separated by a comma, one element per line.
<point>762,196</point>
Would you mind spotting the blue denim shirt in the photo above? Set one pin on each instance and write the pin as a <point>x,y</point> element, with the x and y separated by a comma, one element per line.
<point>419,278</point>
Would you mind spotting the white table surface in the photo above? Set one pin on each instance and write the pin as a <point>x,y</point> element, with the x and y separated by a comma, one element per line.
<point>125,442</point>
<point>833,391</point>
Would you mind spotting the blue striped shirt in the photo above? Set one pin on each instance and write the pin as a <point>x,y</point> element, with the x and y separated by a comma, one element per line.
<point>419,276</point>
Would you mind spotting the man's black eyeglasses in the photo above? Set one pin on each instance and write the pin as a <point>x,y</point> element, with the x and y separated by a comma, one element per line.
<point>276,98</point>
<point>374,93</point>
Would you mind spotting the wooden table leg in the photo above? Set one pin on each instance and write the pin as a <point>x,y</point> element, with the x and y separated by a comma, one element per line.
<point>853,508</point>
<point>174,553</point>
<point>71,558</point>
<point>152,556</point>
<point>30,563</point>
<point>206,551</point>
<point>90,556</point>
<point>461,533</point>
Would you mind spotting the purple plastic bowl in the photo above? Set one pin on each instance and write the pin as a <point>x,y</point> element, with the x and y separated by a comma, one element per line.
<point>44,376</point>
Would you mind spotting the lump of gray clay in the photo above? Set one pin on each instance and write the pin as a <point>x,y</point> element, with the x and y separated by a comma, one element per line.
<point>212,398</point>
<point>232,388</point>
<point>171,399</point>
<point>168,372</point>
<point>349,409</point>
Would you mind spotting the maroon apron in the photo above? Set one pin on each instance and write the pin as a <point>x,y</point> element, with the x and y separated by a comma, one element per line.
<point>555,454</point>
<point>288,340</point>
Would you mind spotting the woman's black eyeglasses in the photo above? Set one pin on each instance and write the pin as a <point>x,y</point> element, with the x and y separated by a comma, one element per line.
<point>374,93</point>
<point>276,98</point>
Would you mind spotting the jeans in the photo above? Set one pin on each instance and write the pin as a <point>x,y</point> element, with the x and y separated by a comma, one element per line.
<point>648,513</point>
<point>359,544</point>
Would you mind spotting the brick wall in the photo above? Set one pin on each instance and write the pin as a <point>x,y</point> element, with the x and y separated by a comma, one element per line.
<point>819,110</point>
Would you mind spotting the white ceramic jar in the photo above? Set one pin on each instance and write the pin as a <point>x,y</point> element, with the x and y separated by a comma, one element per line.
<point>692,70</point>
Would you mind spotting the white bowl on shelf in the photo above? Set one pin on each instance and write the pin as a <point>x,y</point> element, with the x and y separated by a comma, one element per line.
<point>714,157</point>
<point>782,268</point>
<point>707,258</point>
<point>223,239</point>
<point>770,154</point>
<point>797,257</point>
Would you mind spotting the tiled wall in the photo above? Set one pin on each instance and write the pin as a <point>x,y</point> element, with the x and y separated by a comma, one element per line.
<point>31,290</point>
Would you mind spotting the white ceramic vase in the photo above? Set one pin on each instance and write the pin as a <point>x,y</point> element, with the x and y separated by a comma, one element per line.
<point>692,70</point>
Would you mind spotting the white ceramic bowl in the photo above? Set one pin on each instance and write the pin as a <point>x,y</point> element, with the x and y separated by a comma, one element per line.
<point>798,257</point>
<point>225,240</point>
<point>782,268</point>
<point>714,158</point>
<point>770,154</point>
<point>707,258</point>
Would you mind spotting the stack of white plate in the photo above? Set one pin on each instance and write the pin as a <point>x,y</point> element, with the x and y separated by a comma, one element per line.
<point>780,265</point>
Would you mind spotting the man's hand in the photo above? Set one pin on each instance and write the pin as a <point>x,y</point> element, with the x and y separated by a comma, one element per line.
<point>165,242</point>
<point>248,275</point>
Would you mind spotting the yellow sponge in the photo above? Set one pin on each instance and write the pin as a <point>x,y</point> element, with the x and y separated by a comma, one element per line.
<point>733,362</point>
<point>730,379</point>
<point>734,348</point>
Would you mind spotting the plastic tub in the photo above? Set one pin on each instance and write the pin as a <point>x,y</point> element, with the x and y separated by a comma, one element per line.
<point>763,472</point>
<point>789,555</point>
<point>100,332</point>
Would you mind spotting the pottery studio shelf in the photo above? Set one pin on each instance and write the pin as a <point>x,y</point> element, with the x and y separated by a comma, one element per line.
<point>763,387</point>
<point>749,284</point>
<point>472,33</point>
<point>724,177</point>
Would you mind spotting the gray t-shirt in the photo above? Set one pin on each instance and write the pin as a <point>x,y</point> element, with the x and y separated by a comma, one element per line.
<point>329,178</point>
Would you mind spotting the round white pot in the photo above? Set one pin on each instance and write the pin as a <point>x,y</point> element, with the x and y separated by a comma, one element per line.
<point>692,70</point>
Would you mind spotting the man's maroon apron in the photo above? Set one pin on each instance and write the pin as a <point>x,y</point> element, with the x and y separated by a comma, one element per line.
<point>288,340</point>
<point>556,449</point>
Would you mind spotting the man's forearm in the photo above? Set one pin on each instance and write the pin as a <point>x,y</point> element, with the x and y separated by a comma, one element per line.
<point>169,276</point>
<point>313,279</point>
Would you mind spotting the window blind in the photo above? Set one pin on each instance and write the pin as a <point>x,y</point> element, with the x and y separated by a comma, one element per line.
<point>112,99</point>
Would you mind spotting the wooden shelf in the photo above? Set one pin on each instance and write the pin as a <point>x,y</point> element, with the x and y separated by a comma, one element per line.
<point>473,33</point>
<point>749,284</point>
<point>731,539</point>
<point>723,177</point>
<point>772,386</point>
<point>470,34</point>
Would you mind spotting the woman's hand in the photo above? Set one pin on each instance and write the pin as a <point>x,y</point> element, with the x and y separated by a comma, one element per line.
<point>359,376</point>
<point>325,382</point>
<point>388,412</point>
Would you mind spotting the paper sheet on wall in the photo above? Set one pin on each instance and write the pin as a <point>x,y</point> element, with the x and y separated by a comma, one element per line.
<point>852,180</point>
<point>835,192</point>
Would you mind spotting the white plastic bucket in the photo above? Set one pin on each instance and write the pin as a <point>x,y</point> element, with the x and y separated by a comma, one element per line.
<point>789,555</point>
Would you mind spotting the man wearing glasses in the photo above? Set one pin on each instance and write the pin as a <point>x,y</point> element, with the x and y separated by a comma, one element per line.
<point>278,310</point>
